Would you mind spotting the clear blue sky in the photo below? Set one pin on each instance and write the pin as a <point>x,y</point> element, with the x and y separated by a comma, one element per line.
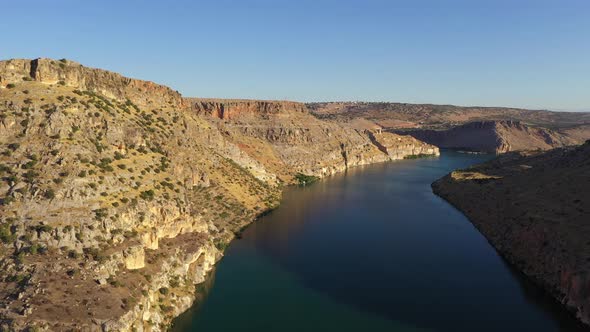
<point>525,53</point>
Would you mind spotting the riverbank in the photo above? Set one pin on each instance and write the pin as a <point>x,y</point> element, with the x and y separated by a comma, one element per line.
<point>369,249</point>
<point>533,209</point>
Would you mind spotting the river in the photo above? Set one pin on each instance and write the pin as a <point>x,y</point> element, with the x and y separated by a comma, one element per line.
<point>370,250</point>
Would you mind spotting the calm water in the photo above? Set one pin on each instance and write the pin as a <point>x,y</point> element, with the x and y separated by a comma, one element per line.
<point>370,250</point>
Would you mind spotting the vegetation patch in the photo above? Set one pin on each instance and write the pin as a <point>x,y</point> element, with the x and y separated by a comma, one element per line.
<point>304,179</point>
<point>418,156</point>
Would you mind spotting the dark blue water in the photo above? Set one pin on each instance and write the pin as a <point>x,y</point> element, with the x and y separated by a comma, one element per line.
<point>370,250</point>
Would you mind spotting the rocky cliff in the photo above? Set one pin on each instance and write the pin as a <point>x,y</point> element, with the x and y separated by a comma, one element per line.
<point>280,134</point>
<point>117,195</point>
<point>495,137</point>
<point>534,208</point>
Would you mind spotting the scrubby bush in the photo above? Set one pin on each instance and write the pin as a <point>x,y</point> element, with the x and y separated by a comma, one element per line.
<point>147,195</point>
<point>49,194</point>
<point>6,235</point>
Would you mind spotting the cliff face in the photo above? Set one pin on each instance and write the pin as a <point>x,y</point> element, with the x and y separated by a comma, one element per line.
<point>280,134</point>
<point>242,109</point>
<point>495,137</point>
<point>117,195</point>
<point>534,208</point>
<point>68,73</point>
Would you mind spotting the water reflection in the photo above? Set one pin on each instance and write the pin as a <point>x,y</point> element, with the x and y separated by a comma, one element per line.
<point>374,250</point>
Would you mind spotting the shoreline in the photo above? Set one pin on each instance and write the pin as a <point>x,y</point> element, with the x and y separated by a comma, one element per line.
<point>518,264</point>
<point>237,234</point>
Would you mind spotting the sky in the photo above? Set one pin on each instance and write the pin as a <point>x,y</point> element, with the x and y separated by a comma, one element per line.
<point>519,53</point>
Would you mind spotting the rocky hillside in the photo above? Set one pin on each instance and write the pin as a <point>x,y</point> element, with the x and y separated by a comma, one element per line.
<point>118,195</point>
<point>534,208</point>
<point>495,137</point>
<point>489,129</point>
<point>284,136</point>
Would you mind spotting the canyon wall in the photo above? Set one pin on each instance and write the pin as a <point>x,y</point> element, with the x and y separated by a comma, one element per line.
<point>279,133</point>
<point>117,195</point>
<point>534,208</point>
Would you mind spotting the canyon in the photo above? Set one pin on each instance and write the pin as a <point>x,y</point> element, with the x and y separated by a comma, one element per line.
<point>119,195</point>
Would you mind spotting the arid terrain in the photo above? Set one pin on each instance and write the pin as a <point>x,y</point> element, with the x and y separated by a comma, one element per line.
<point>534,208</point>
<point>484,129</point>
<point>118,195</point>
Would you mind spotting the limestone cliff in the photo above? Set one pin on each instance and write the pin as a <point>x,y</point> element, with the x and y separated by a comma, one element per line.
<point>534,208</point>
<point>117,195</point>
<point>280,133</point>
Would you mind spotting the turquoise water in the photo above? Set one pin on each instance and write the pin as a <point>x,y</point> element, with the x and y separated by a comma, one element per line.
<point>370,250</point>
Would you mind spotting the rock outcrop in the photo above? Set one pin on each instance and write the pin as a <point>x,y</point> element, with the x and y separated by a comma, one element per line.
<point>534,208</point>
<point>118,195</point>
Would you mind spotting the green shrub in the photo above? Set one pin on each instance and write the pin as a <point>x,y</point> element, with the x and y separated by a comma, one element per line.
<point>34,249</point>
<point>10,85</point>
<point>73,254</point>
<point>417,156</point>
<point>304,179</point>
<point>43,228</point>
<point>30,175</point>
<point>100,214</point>
<point>6,235</point>
<point>147,195</point>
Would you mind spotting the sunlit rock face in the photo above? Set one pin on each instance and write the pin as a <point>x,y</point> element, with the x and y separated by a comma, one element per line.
<point>117,195</point>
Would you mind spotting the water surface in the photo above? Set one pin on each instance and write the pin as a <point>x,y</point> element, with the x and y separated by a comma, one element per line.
<point>370,250</point>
